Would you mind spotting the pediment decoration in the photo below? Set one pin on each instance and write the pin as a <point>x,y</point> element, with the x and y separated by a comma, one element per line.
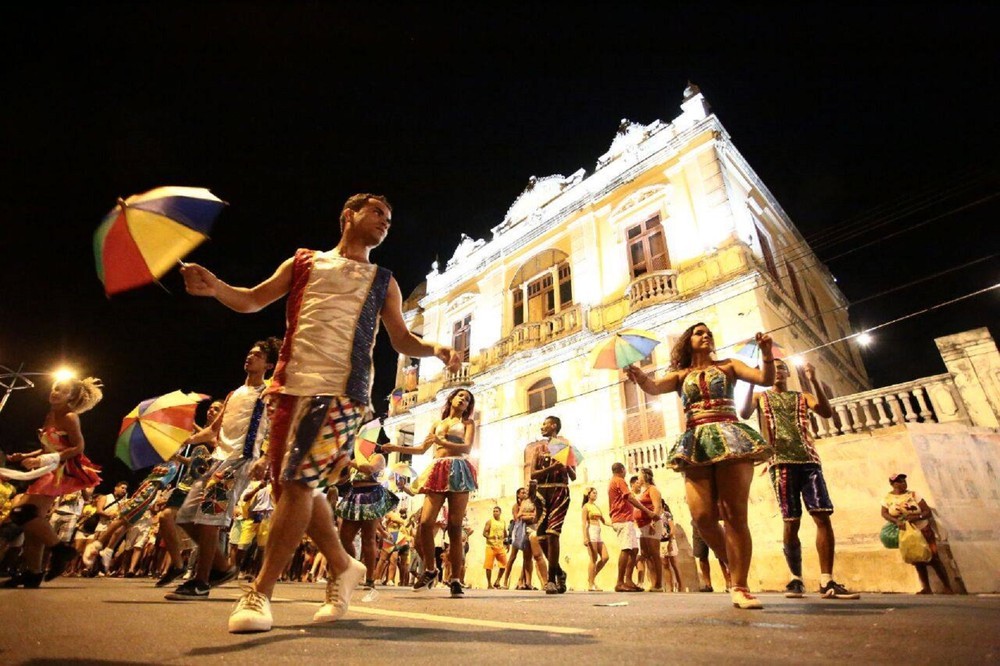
<point>466,246</point>
<point>627,139</point>
<point>539,192</point>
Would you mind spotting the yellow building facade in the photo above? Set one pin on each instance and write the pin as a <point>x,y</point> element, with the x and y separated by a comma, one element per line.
<point>671,228</point>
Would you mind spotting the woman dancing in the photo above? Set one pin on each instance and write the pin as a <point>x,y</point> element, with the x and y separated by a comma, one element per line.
<point>361,508</point>
<point>450,477</point>
<point>593,517</point>
<point>62,451</point>
<point>716,453</point>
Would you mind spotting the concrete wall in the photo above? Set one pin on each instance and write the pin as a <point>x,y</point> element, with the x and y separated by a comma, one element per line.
<point>953,466</point>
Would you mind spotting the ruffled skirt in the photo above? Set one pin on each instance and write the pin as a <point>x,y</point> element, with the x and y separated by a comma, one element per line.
<point>73,474</point>
<point>447,475</point>
<point>366,503</point>
<point>718,442</point>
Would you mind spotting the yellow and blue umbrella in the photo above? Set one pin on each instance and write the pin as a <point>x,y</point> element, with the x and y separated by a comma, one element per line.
<point>145,235</point>
<point>156,429</point>
<point>623,349</point>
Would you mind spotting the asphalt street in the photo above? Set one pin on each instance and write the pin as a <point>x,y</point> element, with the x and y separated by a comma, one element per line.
<point>127,621</point>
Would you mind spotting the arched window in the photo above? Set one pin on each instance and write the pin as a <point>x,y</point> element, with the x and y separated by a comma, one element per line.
<point>541,395</point>
<point>542,287</point>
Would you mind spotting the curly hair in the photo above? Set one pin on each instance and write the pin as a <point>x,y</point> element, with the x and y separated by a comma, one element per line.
<point>680,355</point>
<point>271,346</point>
<point>84,394</point>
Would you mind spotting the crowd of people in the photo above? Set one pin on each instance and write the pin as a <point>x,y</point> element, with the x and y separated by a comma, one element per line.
<point>271,488</point>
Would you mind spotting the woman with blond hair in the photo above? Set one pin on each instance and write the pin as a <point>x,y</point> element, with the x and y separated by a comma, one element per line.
<point>717,452</point>
<point>68,470</point>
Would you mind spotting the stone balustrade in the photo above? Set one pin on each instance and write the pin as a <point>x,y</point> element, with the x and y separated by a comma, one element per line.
<point>651,454</point>
<point>533,334</point>
<point>652,288</point>
<point>461,377</point>
<point>928,400</point>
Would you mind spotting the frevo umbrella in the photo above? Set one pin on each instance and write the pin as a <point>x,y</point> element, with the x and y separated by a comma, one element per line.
<point>561,450</point>
<point>749,349</point>
<point>623,349</point>
<point>156,429</point>
<point>368,438</point>
<point>145,235</point>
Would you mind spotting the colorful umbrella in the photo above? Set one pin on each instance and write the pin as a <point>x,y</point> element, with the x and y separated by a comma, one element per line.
<point>145,235</point>
<point>749,349</point>
<point>156,429</point>
<point>623,349</point>
<point>560,449</point>
<point>369,436</point>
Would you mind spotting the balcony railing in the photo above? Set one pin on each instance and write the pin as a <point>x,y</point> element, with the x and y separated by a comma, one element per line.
<point>405,404</point>
<point>928,400</point>
<point>534,334</point>
<point>652,288</point>
<point>458,378</point>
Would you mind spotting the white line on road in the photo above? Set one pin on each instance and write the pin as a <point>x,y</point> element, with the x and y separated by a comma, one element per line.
<point>447,619</point>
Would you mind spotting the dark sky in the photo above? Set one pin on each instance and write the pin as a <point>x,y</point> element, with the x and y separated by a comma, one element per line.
<point>863,121</point>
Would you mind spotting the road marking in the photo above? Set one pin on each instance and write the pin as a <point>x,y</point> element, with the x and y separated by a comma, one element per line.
<point>466,621</point>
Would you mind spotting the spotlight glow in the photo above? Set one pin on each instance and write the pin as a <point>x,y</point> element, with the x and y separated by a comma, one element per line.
<point>795,361</point>
<point>864,339</point>
<point>63,374</point>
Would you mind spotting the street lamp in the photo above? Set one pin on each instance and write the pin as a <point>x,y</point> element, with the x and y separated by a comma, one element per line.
<point>16,380</point>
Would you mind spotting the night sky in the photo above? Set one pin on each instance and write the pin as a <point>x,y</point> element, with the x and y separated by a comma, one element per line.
<point>865,123</point>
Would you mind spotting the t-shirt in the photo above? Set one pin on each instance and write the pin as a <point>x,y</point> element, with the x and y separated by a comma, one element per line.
<point>904,505</point>
<point>618,494</point>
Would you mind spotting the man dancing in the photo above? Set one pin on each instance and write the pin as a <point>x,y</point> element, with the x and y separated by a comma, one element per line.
<point>322,387</point>
<point>239,430</point>
<point>553,479</point>
<point>796,472</point>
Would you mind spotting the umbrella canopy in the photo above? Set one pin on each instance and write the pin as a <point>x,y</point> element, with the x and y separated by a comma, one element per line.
<point>561,450</point>
<point>749,349</point>
<point>156,429</point>
<point>145,235</point>
<point>368,438</point>
<point>623,349</point>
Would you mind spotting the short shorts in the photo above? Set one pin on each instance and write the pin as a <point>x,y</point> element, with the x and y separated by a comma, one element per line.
<point>628,535</point>
<point>795,485</point>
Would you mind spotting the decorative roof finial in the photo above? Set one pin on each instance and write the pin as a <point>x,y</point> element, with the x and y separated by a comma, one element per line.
<point>690,91</point>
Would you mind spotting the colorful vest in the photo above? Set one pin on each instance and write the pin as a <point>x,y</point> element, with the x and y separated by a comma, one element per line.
<point>787,426</point>
<point>332,318</point>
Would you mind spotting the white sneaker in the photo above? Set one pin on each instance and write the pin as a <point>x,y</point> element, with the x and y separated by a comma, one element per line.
<point>90,553</point>
<point>251,613</point>
<point>338,593</point>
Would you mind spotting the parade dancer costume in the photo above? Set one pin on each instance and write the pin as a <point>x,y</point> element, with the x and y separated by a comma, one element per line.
<point>714,433</point>
<point>212,500</point>
<point>450,474</point>
<point>553,486</point>
<point>366,499</point>
<point>796,474</point>
<point>70,475</point>
<point>322,383</point>
<point>134,508</point>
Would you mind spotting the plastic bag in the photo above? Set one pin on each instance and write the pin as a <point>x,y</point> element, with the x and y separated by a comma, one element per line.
<point>889,535</point>
<point>913,546</point>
